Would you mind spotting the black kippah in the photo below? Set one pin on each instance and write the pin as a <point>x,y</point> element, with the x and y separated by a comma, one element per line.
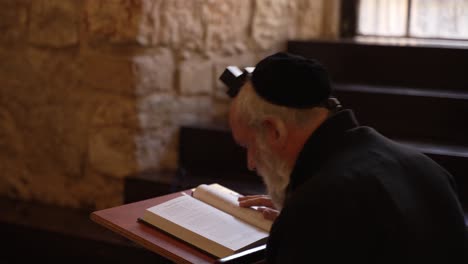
<point>292,81</point>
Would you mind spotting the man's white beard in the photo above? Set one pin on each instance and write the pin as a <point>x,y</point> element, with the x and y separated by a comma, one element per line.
<point>274,171</point>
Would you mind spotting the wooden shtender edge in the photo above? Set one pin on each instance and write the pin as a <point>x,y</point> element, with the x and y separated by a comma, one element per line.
<point>136,239</point>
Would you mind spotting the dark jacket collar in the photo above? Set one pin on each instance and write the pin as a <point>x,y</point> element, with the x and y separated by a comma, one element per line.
<point>320,146</point>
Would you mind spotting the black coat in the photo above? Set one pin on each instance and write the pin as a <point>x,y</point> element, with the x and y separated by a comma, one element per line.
<point>359,197</point>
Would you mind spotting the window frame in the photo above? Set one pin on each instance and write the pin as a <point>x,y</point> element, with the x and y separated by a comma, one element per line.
<point>348,28</point>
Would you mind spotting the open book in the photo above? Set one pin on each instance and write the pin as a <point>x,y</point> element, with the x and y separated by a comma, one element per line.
<point>211,220</point>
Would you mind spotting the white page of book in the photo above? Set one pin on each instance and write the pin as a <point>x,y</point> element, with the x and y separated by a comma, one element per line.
<point>209,222</point>
<point>225,199</point>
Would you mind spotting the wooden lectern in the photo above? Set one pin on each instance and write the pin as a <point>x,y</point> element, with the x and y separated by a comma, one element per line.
<point>123,220</point>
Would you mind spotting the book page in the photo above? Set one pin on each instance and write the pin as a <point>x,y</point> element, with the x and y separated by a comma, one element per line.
<point>205,220</point>
<point>226,200</point>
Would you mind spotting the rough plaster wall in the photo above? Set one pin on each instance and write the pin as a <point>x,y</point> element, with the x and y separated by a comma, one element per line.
<point>92,91</point>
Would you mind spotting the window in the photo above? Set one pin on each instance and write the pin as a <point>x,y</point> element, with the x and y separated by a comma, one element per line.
<point>432,19</point>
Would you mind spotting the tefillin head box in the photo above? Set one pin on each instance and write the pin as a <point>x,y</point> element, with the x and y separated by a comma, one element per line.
<point>234,78</point>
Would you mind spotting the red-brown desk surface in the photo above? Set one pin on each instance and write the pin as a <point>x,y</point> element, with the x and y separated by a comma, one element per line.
<point>124,221</point>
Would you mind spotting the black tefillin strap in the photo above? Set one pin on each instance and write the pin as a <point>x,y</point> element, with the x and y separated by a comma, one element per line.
<point>234,78</point>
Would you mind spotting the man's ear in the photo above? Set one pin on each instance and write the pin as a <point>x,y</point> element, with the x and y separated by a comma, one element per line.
<point>276,132</point>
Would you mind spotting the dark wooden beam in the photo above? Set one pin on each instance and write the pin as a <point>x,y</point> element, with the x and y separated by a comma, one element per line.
<point>428,67</point>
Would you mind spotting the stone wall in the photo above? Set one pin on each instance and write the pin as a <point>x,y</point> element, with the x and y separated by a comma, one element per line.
<point>92,91</point>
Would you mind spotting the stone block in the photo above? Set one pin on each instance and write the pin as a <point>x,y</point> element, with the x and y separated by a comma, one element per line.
<point>226,26</point>
<point>16,80</point>
<point>157,149</point>
<point>46,145</point>
<point>108,73</point>
<point>309,19</point>
<point>156,111</point>
<point>196,77</point>
<point>56,136</point>
<point>181,24</point>
<point>130,75</point>
<point>53,74</point>
<point>13,22</point>
<point>154,72</point>
<point>194,110</point>
<point>55,23</point>
<point>115,111</point>
<point>160,118</point>
<point>270,23</point>
<point>111,151</point>
<point>123,21</point>
<point>49,143</point>
<point>159,111</point>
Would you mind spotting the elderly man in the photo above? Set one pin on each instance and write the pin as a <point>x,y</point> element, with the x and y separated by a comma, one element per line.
<point>339,191</point>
